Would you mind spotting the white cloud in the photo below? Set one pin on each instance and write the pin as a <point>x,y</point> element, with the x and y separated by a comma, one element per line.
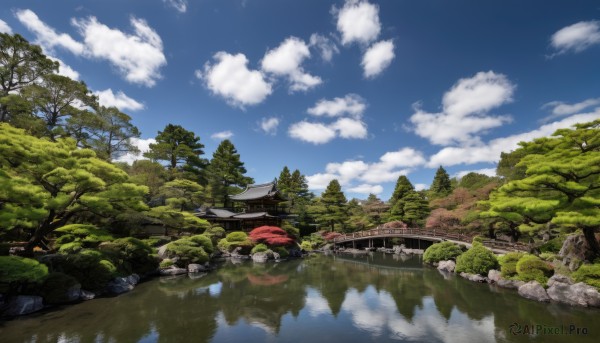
<point>576,37</point>
<point>222,135</point>
<point>389,167</point>
<point>490,152</point>
<point>64,69</point>
<point>421,186</point>
<point>46,36</point>
<point>269,125</point>
<point>5,28</point>
<point>138,56</point>
<point>484,171</point>
<point>143,145</point>
<point>465,110</point>
<point>358,21</point>
<point>230,78</point>
<point>286,60</point>
<point>120,100</point>
<point>378,57</point>
<point>179,5</point>
<point>326,46</point>
<point>560,109</point>
<point>350,104</point>
<point>366,189</point>
<point>315,133</point>
<point>350,128</point>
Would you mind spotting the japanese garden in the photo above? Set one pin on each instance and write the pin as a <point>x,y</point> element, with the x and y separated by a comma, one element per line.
<point>181,244</point>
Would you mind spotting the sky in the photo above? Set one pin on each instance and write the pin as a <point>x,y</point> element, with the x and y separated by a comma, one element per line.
<point>361,91</point>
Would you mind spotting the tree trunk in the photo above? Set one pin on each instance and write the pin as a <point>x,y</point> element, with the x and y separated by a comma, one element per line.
<point>590,237</point>
<point>515,234</point>
<point>491,231</point>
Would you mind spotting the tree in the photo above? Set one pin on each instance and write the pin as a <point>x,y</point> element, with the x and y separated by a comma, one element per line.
<point>44,185</point>
<point>357,219</point>
<point>333,203</point>
<point>294,187</point>
<point>21,64</point>
<point>441,185</point>
<point>179,148</point>
<point>375,209</point>
<point>415,208</point>
<point>562,183</point>
<point>183,194</point>
<point>109,132</point>
<point>56,97</point>
<point>402,189</point>
<point>226,170</point>
<point>148,173</point>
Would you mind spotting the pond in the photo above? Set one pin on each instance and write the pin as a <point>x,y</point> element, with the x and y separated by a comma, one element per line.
<point>318,299</point>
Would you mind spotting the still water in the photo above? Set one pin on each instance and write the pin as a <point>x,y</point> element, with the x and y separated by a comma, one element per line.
<point>377,298</point>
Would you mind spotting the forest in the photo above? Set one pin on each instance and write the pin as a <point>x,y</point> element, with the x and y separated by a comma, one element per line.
<point>63,195</point>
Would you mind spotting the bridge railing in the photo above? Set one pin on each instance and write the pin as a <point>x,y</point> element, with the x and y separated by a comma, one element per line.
<point>467,238</point>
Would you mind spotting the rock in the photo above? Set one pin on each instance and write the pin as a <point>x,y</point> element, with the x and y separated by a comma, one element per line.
<point>162,251</point>
<point>196,268</point>
<point>474,277</point>
<point>513,284</point>
<point>398,248</point>
<point>173,271</point>
<point>447,266</point>
<point>260,257</point>
<point>122,284</point>
<point>23,304</point>
<point>574,251</point>
<point>494,275</point>
<point>534,291</point>
<point>562,289</point>
<point>276,256</point>
<point>86,295</point>
<point>74,292</point>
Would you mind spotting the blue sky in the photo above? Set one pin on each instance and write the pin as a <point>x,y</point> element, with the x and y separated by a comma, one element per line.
<point>360,91</point>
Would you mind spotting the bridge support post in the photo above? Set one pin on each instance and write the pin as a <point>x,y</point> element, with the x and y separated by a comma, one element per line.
<point>354,244</point>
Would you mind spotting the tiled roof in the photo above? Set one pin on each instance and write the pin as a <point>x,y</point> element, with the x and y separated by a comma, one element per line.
<point>252,192</point>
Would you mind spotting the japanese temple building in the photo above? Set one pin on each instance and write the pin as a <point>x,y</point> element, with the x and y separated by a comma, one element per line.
<point>257,205</point>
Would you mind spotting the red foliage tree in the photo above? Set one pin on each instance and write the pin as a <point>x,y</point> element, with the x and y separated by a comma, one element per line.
<point>271,235</point>
<point>329,236</point>
<point>396,224</point>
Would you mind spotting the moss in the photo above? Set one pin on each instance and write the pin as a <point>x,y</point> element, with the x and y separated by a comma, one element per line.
<point>508,264</point>
<point>259,248</point>
<point>55,287</point>
<point>588,273</point>
<point>15,269</point>
<point>441,252</point>
<point>477,260</point>
<point>532,268</point>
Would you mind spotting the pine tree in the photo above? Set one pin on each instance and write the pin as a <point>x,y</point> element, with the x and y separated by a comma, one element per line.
<point>441,185</point>
<point>333,201</point>
<point>415,209</point>
<point>402,189</point>
<point>224,171</point>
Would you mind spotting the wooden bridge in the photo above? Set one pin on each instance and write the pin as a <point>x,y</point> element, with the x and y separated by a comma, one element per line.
<point>431,235</point>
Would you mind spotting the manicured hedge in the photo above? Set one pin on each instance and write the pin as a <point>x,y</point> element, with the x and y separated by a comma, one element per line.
<point>477,260</point>
<point>441,252</point>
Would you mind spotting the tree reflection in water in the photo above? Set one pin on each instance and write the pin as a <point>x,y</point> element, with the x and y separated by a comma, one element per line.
<point>376,297</point>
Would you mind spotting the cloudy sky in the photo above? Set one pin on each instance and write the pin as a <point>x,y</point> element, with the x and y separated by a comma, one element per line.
<point>360,91</point>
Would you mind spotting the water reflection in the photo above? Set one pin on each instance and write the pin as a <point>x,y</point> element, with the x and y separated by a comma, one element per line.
<point>372,298</point>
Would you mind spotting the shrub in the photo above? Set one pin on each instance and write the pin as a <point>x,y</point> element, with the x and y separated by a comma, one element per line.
<point>204,241</point>
<point>234,240</point>
<point>306,245</point>
<point>532,268</point>
<point>283,252</point>
<point>441,252</point>
<point>270,235</point>
<point>90,267</point>
<point>166,263</point>
<point>131,255</point>
<point>236,236</point>
<point>477,239</point>
<point>215,233</point>
<point>188,252</point>
<point>477,260</point>
<point>547,256</point>
<point>588,273</point>
<point>15,269</point>
<point>55,287</point>
<point>156,242</point>
<point>259,248</point>
<point>553,245</point>
<point>508,264</point>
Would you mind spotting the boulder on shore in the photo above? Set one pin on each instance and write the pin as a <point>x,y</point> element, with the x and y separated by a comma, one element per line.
<point>574,251</point>
<point>86,295</point>
<point>562,289</point>
<point>473,277</point>
<point>260,257</point>
<point>512,284</point>
<point>122,284</point>
<point>534,291</point>
<point>196,268</point>
<point>447,266</point>
<point>494,275</point>
<point>171,271</point>
<point>23,304</point>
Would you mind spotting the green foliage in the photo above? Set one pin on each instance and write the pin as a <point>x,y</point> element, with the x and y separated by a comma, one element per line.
<point>553,245</point>
<point>473,181</point>
<point>477,239</point>
<point>306,245</point>
<point>508,264</point>
<point>188,251</point>
<point>90,268</point>
<point>331,208</point>
<point>290,229</point>
<point>21,270</point>
<point>204,241</point>
<point>532,268</point>
<point>182,194</point>
<point>282,251</point>
<point>74,237</point>
<point>166,263</point>
<point>131,255</point>
<point>215,233</point>
<point>156,242</point>
<point>176,146</point>
<point>236,236</point>
<point>441,185</point>
<point>415,208</point>
<point>259,248</point>
<point>588,273</point>
<point>226,170</point>
<point>55,286</point>
<point>477,260</point>
<point>441,252</point>
<point>548,256</point>
<point>234,240</point>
